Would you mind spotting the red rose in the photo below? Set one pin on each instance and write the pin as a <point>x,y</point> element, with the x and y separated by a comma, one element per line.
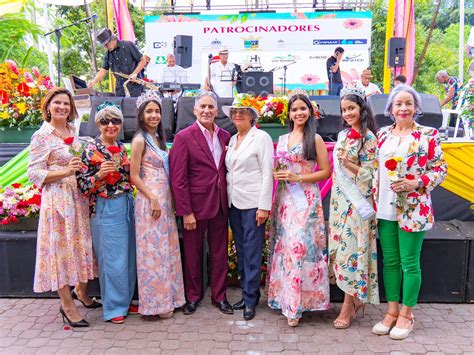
<point>4,97</point>
<point>13,219</point>
<point>416,134</point>
<point>112,177</point>
<point>257,125</point>
<point>410,177</point>
<point>410,161</point>
<point>431,148</point>
<point>353,134</point>
<point>113,149</point>
<point>16,185</point>
<point>425,179</point>
<point>23,89</point>
<point>68,140</point>
<point>424,210</point>
<point>391,164</point>
<point>422,160</point>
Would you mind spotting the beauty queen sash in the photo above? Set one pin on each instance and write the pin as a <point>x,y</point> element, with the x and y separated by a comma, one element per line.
<point>283,161</point>
<point>164,155</point>
<point>347,185</point>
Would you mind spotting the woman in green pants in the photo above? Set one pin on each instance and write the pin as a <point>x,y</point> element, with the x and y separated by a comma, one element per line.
<point>410,165</point>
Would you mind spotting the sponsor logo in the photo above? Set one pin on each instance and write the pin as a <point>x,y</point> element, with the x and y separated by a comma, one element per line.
<point>317,57</point>
<point>158,45</point>
<point>160,59</point>
<point>285,58</point>
<point>353,59</point>
<point>251,42</point>
<point>332,42</point>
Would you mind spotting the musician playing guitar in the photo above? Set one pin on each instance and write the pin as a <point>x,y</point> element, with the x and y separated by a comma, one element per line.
<point>122,57</point>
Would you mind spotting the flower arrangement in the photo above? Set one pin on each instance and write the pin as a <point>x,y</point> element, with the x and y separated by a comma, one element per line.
<point>232,271</point>
<point>467,108</point>
<point>274,110</point>
<point>18,201</point>
<point>21,92</point>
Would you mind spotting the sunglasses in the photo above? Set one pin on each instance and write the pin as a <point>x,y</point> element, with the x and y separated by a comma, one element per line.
<point>114,121</point>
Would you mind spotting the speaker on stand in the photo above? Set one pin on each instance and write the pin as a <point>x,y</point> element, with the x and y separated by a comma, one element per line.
<point>183,50</point>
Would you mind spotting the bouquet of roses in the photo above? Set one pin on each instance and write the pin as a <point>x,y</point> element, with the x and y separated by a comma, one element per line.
<point>274,110</point>
<point>18,201</point>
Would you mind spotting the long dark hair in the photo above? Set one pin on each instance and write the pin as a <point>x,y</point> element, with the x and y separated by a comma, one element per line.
<point>141,129</point>
<point>367,121</point>
<point>309,131</point>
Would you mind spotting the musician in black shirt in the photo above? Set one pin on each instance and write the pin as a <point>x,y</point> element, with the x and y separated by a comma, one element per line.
<point>121,57</point>
<point>334,71</point>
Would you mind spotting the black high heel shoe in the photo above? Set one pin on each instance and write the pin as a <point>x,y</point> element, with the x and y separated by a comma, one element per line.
<point>94,303</point>
<point>81,324</point>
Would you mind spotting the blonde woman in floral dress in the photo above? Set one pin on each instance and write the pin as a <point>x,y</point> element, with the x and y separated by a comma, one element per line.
<point>352,225</point>
<point>159,271</point>
<point>64,255</point>
<point>298,274</point>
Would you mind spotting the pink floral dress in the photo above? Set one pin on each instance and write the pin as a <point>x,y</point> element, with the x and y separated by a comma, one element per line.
<point>298,261</point>
<point>160,276</point>
<point>64,246</point>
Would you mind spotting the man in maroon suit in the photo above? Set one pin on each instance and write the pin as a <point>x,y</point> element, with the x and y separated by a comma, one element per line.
<point>198,181</point>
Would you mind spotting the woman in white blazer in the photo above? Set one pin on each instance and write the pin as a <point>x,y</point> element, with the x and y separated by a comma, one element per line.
<point>249,163</point>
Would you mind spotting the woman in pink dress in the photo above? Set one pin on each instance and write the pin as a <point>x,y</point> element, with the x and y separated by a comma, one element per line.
<point>160,276</point>
<point>298,279</point>
<point>64,255</point>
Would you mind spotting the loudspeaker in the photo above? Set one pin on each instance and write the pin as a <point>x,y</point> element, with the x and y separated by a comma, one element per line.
<point>376,105</point>
<point>185,114</point>
<point>432,115</point>
<point>257,83</point>
<point>183,50</point>
<point>396,52</point>
<point>329,125</point>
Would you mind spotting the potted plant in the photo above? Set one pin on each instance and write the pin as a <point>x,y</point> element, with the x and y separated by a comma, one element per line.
<point>21,92</point>
<point>19,207</point>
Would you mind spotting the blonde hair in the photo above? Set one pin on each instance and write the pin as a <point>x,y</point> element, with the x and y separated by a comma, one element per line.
<point>109,112</point>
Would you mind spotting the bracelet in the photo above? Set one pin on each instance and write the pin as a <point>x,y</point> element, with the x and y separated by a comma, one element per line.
<point>300,178</point>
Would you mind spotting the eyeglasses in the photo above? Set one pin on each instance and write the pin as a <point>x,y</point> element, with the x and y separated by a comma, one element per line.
<point>114,121</point>
<point>241,110</point>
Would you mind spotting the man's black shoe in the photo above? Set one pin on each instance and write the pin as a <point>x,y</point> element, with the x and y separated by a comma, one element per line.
<point>224,307</point>
<point>249,312</point>
<point>189,308</point>
<point>239,305</point>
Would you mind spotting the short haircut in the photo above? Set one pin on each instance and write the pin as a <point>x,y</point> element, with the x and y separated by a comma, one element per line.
<point>339,49</point>
<point>204,93</point>
<point>109,112</point>
<point>401,78</point>
<point>398,89</point>
<point>441,73</point>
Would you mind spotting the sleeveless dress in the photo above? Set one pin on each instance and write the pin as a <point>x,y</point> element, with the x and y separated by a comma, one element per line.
<point>160,276</point>
<point>298,260</point>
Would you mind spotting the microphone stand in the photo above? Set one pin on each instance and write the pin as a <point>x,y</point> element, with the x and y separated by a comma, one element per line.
<point>58,34</point>
<point>284,67</point>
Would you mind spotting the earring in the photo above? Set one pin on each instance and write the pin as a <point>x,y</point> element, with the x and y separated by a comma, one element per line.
<point>49,114</point>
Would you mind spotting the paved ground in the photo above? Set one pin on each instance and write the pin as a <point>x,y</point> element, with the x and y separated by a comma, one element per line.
<point>30,326</point>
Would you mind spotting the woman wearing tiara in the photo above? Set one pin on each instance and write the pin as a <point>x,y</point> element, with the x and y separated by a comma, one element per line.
<point>160,277</point>
<point>298,278</point>
<point>352,225</point>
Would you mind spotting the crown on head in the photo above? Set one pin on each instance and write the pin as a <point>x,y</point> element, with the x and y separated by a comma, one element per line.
<point>107,104</point>
<point>352,90</point>
<point>149,95</point>
<point>298,92</point>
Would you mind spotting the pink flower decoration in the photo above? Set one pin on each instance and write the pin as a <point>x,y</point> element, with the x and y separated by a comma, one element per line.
<point>353,24</point>
<point>309,79</point>
<point>36,72</point>
<point>28,77</point>
<point>13,66</point>
<point>179,18</point>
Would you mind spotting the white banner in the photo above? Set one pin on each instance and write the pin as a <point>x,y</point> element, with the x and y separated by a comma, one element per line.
<point>300,43</point>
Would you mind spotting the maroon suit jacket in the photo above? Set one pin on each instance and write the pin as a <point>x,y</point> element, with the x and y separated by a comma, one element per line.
<point>198,186</point>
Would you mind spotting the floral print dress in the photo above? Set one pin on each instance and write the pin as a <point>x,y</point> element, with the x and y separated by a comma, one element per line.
<point>298,278</point>
<point>160,275</point>
<point>352,240</point>
<point>64,245</point>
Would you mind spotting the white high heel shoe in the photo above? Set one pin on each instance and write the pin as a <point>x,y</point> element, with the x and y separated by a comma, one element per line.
<point>382,329</point>
<point>402,333</point>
